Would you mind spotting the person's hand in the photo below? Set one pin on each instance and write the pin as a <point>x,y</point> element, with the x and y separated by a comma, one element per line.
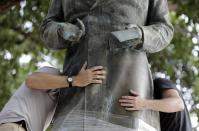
<point>132,102</point>
<point>94,75</point>
<point>70,32</point>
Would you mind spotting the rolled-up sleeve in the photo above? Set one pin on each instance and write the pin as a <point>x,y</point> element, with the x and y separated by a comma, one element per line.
<point>158,32</point>
<point>49,28</point>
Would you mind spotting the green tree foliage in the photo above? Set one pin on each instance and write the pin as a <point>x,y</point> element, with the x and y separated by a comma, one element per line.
<point>19,38</point>
<point>188,7</point>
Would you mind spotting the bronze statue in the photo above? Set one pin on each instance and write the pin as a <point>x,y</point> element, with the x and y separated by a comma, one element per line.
<point>116,34</point>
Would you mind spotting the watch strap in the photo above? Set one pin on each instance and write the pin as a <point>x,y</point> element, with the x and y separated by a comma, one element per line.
<point>70,82</point>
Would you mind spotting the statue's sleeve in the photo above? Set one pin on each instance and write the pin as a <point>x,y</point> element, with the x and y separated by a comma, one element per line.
<point>51,24</point>
<point>158,32</point>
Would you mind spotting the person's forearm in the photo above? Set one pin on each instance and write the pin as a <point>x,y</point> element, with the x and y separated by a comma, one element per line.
<point>46,81</point>
<point>165,105</point>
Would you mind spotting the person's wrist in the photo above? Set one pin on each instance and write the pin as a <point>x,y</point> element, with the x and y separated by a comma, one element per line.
<point>148,104</point>
<point>145,104</point>
<point>70,80</point>
<point>75,81</point>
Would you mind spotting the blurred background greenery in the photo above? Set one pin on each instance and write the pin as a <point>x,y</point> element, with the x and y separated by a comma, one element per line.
<point>22,51</point>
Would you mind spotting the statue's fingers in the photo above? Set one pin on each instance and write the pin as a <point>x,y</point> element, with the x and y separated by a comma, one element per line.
<point>82,26</point>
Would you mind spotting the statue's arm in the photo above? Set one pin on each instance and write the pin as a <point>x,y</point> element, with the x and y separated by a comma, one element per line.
<point>152,37</point>
<point>159,31</point>
<point>56,32</point>
<point>50,25</point>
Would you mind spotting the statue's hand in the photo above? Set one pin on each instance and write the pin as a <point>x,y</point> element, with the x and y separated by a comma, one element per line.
<point>131,37</point>
<point>70,32</point>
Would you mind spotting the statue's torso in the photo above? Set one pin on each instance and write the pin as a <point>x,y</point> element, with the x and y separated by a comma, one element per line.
<point>87,108</point>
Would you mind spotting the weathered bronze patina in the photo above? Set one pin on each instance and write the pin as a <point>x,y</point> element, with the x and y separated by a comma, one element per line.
<point>118,34</point>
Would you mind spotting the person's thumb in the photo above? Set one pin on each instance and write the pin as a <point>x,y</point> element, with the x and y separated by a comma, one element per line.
<point>134,93</point>
<point>84,66</point>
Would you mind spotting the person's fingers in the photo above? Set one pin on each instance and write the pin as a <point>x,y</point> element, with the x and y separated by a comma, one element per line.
<point>84,66</point>
<point>97,81</point>
<point>128,97</point>
<point>130,109</point>
<point>126,104</point>
<point>102,72</point>
<point>96,68</point>
<point>99,77</point>
<point>134,93</point>
<point>125,101</point>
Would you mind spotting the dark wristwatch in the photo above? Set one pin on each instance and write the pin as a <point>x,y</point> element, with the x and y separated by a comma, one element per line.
<point>70,81</point>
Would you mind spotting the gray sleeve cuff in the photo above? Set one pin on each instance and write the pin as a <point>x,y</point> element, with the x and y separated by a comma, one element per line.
<point>131,37</point>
